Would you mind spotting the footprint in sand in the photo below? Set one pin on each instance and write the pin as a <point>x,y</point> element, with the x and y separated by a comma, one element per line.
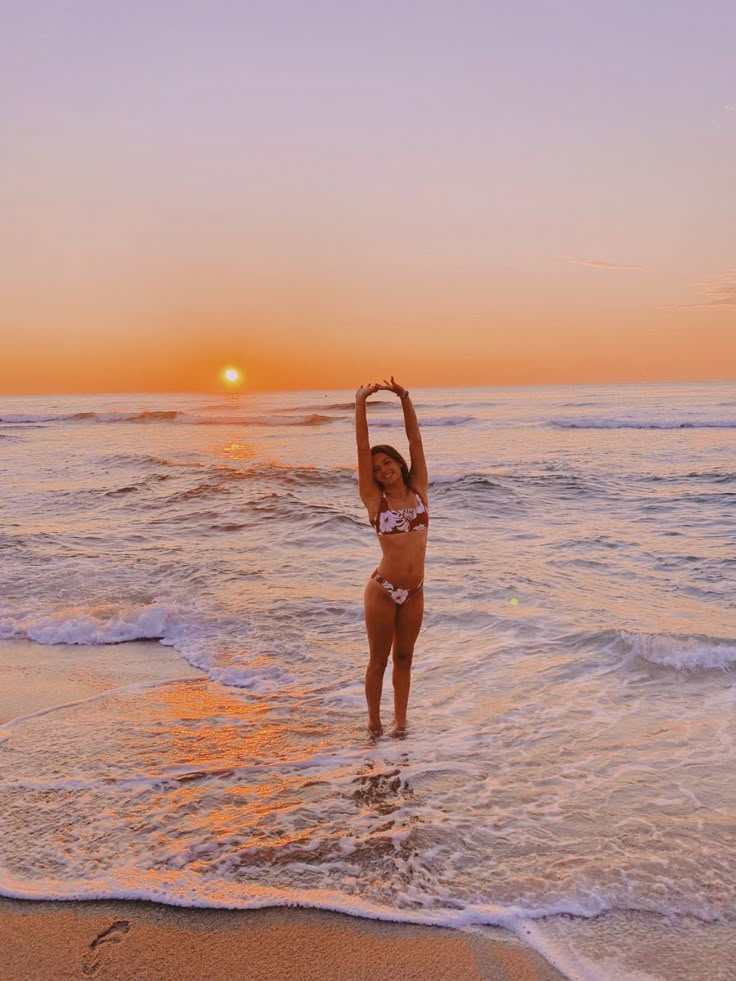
<point>110,935</point>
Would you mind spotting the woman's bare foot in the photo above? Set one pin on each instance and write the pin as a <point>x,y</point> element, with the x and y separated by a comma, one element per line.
<point>375,729</point>
<point>397,731</point>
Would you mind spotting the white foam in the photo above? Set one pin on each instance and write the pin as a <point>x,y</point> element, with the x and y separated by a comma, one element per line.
<point>627,945</point>
<point>683,653</point>
<point>133,623</point>
<point>261,678</point>
<point>195,641</point>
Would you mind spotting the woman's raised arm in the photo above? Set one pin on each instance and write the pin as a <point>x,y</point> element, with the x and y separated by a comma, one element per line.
<point>419,476</point>
<point>367,485</point>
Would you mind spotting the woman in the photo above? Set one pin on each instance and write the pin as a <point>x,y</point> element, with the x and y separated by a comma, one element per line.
<point>396,500</point>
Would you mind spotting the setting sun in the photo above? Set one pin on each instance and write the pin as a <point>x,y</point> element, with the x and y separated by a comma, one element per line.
<point>231,375</point>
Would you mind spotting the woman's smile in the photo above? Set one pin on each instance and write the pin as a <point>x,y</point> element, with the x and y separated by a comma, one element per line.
<point>385,470</point>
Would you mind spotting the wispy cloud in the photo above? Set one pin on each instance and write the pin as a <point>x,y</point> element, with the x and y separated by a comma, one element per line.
<point>730,108</point>
<point>600,264</point>
<point>716,291</point>
<point>719,291</point>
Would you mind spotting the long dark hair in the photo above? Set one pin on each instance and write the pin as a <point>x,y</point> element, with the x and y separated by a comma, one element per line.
<point>395,455</point>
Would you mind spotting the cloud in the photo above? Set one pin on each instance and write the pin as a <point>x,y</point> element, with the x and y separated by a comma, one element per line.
<point>600,264</point>
<point>719,291</point>
<point>716,291</point>
<point>730,108</point>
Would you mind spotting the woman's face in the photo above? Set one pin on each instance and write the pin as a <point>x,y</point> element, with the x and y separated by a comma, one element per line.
<point>386,470</point>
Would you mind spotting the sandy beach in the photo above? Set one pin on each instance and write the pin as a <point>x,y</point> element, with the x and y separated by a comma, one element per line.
<point>134,940</point>
<point>34,677</point>
<point>126,941</point>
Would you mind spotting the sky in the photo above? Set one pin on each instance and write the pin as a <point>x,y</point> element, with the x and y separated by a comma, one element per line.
<point>323,193</point>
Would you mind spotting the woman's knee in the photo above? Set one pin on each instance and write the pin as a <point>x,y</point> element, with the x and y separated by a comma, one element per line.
<point>403,658</point>
<point>377,662</point>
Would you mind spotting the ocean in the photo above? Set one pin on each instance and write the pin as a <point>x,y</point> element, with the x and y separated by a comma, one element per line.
<point>568,770</point>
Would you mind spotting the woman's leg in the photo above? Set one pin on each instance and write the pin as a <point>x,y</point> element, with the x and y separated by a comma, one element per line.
<point>380,617</point>
<point>408,625</point>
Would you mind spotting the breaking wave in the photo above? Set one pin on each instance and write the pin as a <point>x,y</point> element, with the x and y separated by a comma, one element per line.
<point>314,419</point>
<point>643,424</point>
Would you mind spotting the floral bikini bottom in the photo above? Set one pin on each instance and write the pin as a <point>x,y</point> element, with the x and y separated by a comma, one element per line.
<point>397,594</point>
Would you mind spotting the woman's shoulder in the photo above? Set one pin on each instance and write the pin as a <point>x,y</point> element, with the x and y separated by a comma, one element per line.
<point>372,499</point>
<point>421,491</point>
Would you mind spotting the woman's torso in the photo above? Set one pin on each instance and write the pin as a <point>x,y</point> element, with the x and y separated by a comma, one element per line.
<point>401,526</point>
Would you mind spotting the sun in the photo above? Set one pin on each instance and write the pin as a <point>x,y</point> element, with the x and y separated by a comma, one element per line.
<point>231,375</point>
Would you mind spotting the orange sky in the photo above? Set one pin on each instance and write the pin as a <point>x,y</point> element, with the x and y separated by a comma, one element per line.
<point>323,197</point>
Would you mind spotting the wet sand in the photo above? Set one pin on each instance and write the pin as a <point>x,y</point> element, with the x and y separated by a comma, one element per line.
<point>125,941</point>
<point>34,677</point>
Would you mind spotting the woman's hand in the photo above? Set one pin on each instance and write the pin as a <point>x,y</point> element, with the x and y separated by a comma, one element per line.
<point>393,386</point>
<point>365,390</point>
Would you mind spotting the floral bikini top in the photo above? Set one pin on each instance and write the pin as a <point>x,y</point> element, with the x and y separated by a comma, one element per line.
<point>396,521</point>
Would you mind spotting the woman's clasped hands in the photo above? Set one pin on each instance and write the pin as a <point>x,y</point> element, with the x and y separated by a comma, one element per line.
<point>386,386</point>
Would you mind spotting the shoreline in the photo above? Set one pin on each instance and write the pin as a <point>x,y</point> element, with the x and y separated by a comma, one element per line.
<point>38,677</point>
<point>125,940</point>
<point>117,940</point>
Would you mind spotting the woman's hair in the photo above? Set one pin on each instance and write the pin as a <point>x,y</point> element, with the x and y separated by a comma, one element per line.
<point>395,455</point>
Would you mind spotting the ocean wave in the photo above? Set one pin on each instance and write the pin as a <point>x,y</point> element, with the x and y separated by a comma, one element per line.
<point>465,405</point>
<point>517,481</point>
<point>190,891</point>
<point>441,421</point>
<point>279,502</point>
<point>283,473</point>
<point>128,489</point>
<point>195,640</point>
<point>579,405</point>
<point>302,518</point>
<point>714,476</point>
<point>335,406</point>
<point>135,623</point>
<point>683,652</point>
<point>314,419</point>
<point>717,476</point>
<point>173,415</point>
<point>471,481</point>
<point>21,418</point>
<point>155,478</point>
<point>256,677</point>
<point>642,424</point>
<point>331,406</point>
<point>143,459</point>
<point>142,416</point>
<point>204,489</point>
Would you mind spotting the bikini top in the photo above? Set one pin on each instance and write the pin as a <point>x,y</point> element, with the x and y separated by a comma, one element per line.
<point>396,521</point>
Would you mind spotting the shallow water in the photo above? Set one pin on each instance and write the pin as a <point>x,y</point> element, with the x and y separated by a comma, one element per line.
<point>572,736</point>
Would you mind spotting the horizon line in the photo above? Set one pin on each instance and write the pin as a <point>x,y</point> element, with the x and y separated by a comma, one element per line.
<point>281,391</point>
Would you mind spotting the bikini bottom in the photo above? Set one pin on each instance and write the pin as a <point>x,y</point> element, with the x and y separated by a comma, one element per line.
<point>398,595</point>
